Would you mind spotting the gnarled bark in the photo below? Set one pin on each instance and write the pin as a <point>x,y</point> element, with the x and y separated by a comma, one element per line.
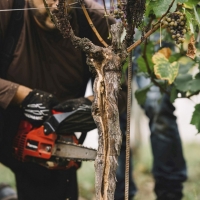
<point>107,63</point>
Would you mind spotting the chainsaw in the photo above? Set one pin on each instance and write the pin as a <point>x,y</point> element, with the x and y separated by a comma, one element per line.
<point>54,144</point>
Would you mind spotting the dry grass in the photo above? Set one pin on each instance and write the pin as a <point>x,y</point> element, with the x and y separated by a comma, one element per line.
<point>142,175</point>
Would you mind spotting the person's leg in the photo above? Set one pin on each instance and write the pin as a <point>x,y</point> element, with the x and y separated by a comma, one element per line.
<point>35,182</point>
<point>120,174</point>
<point>169,167</point>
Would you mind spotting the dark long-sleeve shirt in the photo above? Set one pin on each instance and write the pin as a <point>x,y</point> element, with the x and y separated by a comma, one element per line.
<point>44,60</point>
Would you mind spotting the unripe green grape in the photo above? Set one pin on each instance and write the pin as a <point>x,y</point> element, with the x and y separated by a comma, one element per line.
<point>181,40</point>
<point>173,36</point>
<point>184,31</point>
<point>169,19</point>
<point>171,31</point>
<point>165,23</point>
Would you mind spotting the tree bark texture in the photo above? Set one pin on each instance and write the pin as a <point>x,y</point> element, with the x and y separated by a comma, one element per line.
<point>107,62</point>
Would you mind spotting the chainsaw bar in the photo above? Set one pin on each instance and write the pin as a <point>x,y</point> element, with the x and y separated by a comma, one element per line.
<point>72,151</point>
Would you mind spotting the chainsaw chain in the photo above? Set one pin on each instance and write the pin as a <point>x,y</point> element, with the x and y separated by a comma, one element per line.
<point>72,159</point>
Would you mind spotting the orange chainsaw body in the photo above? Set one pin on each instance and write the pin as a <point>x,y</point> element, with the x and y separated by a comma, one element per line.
<point>31,144</point>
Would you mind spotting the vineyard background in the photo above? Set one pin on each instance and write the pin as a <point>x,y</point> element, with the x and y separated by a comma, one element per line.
<point>142,157</point>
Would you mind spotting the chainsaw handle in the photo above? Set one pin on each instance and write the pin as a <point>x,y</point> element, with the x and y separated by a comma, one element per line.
<point>53,122</point>
<point>79,120</point>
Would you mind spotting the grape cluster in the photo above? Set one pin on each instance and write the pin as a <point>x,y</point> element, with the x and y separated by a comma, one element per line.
<point>135,11</point>
<point>118,14</point>
<point>176,24</point>
<point>130,11</point>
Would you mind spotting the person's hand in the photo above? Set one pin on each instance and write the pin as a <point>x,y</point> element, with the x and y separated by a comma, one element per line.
<point>37,106</point>
<point>73,104</point>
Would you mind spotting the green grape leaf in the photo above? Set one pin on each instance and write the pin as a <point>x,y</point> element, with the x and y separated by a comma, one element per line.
<point>141,65</point>
<point>149,60</point>
<point>182,82</point>
<point>149,8</point>
<point>190,20</point>
<point>189,4</point>
<point>195,117</point>
<point>174,57</point>
<point>185,64</point>
<point>196,15</point>
<point>160,7</point>
<point>185,82</point>
<point>140,94</point>
<point>163,69</point>
<point>197,76</point>
<point>173,94</point>
<point>194,85</point>
<point>182,1</point>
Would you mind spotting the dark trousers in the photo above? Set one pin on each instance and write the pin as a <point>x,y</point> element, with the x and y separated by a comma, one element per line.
<point>169,167</point>
<point>38,183</point>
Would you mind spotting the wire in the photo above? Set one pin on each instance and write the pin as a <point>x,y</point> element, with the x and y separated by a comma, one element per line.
<point>6,10</point>
<point>69,5</point>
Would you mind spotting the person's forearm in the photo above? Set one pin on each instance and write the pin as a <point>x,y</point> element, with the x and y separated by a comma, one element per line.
<point>20,94</point>
<point>11,93</point>
<point>7,92</point>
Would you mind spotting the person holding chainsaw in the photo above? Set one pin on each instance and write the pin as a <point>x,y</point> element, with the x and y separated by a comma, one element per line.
<point>42,77</point>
